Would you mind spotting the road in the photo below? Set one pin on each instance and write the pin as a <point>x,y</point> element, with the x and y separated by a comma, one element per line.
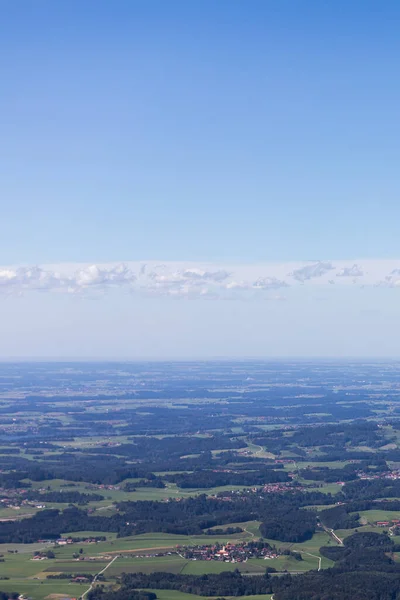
<point>106,507</point>
<point>96,576</point>
<point>247,531</point>
<point>249,443</point>
<point>314,556</point>
<point>261,450</point>
<point>337,538</point>
<point>333,534</point>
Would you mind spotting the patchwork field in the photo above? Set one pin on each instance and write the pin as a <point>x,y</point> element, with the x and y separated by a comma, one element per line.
<point>206,473</point>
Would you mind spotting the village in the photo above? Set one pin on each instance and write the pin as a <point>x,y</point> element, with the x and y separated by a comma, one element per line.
<point>233,553</point>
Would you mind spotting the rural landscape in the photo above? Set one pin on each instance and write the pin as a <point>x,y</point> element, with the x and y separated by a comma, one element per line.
<point>199,284</point>
<point>185,480</point>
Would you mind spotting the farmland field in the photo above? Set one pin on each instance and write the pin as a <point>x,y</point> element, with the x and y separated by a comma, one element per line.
<point>209,474</point>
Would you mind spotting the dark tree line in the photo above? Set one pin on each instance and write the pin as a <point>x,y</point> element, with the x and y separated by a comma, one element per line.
<point>338,517</point>
<point>188,516</point>
<point>293,526</point>
<point>67,497</point>
<point>210,479</point>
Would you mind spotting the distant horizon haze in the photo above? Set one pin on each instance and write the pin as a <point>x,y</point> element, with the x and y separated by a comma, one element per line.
<point>179,310</point>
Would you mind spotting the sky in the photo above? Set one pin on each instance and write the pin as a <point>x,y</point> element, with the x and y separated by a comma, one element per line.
<point>213,178</point>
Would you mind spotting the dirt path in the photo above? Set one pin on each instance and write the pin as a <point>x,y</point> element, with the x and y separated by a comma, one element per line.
<point>337,538</point>
<point>249,532</point>
<point>96,576</point>
<point>137,550</point>
<point>332,534</point>
<point>314,556</point>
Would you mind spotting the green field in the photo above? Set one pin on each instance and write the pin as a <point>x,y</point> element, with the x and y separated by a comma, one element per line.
<point>38,590</point>
<point>201,567</point>
<point>326,488</point>
<point>344,533</point>
<point>28,574</point>
<point>110,496</point>
<point>372,516</point>
<point>253,566</point>
<point>251,529</point>
<point>88,534</point>
<point>146,542</point>
<point>318,539</point>
<point>17,513</point>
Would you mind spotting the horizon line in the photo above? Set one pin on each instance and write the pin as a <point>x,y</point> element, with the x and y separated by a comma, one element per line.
<point>177,359</point>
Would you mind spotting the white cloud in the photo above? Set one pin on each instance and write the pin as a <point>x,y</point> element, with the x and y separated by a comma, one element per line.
<point>36,278</point>
<point>29,278</point>
<point>95,276</point>
<point>353,271</point>
<point>238,285</point>
<point>309,271</point>
<point>197,280</point>
<point>261,283</point>
<point>198,274</point>
<point>269,283</point>
<point>392,280</point>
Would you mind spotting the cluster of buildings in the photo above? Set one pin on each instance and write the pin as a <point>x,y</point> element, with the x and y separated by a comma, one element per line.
<point>102,486</point>
<point>233,553</point>
<point>393,475</point>
<point>268,488</point>
<point>392,523</point>
<point>69,540</point>
<point>271,488</point>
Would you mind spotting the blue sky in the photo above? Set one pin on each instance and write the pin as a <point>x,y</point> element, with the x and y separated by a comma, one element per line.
<point>218,132</point>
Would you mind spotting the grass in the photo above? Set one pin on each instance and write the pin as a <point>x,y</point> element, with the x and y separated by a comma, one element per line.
<point>23,548</point>
<point>253,566</point>
<point>259,451</point>
<point>73,566</point>
<point>319,507</point>
<point>344,533</point>
<point>201,567</point>
<point>319,539</point>
<point>380,515</point>
<point>110,496</point>
<point>17,513</point>
<point>252,529</point>
<point>137,551</point>
<point>337,464</point>
<point>21,566</point>
<point>88,534</point>
<point>145,542</point>
<point>312,546</point>
<point>327,488</point>
<point>396,539</point>
<point>168,564</point>
<point>39,590</point>
<point>29,577</point>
